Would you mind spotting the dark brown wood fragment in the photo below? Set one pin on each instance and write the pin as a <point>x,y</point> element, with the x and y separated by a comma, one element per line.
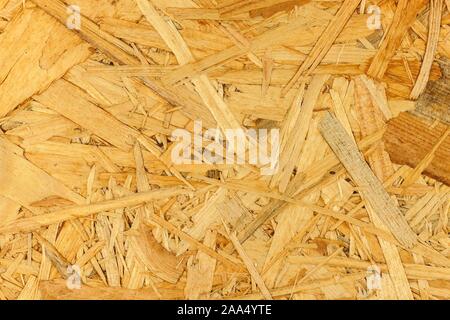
<point>409,138</point>
<point>435,101</point>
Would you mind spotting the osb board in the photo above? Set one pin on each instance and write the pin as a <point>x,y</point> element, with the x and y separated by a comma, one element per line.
<point>88,186</point>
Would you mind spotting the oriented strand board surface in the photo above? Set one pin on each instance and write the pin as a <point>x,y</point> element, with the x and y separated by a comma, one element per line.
<point>93,99</point>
